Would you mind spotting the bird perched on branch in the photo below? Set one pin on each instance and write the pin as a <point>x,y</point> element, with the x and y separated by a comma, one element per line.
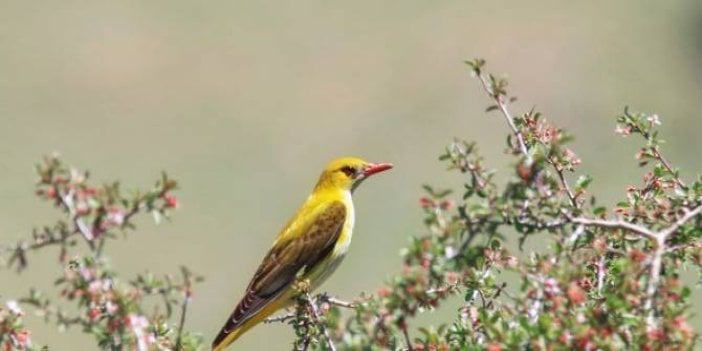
<point>309,247</point>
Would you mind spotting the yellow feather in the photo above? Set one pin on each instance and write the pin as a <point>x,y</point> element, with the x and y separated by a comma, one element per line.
<point>334,187</point>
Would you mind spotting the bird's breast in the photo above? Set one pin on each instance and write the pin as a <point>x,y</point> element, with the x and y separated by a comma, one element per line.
<point>340,248</point>
<point>342,245</point>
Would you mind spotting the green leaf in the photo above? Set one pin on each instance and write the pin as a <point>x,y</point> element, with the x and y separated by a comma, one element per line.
<point>583,182</point>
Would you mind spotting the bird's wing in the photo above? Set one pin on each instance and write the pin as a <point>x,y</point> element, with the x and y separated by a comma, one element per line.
<point>318,232</point>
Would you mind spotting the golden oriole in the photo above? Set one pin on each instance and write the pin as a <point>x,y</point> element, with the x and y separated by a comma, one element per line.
<point>309,247</point>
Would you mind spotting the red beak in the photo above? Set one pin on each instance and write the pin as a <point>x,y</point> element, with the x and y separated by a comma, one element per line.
<point>374,168</point>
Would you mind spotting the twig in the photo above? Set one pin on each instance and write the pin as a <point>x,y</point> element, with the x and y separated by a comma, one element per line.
<point>187,289</point>
<point>408,340</point>
<point>615,224</point>
<point>682,220</point>
<point>601,272</point>
<point>499,100</point>
<point>315,313</point>
<point>497,294</point>
<point>657,260</point>
<point>659,156</point>
<point>573,238</point>
<point>67,203</point>
<point>281,318</point>
<point>505,112</point>
<point>564,182</point>
<point>337,302</point>
<point>615,251</point>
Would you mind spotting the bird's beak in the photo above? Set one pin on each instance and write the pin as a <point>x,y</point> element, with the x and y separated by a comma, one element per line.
<point>374,168</point>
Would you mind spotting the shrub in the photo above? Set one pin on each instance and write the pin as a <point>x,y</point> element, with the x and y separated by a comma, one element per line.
<point>600,278</point>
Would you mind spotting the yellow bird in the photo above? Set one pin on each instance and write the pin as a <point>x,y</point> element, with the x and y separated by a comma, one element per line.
<point>309,247</point>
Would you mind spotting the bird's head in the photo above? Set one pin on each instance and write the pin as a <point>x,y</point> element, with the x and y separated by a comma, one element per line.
<point>347,173</point>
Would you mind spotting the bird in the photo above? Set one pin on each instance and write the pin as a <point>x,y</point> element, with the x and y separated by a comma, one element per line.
<point>308,248</point>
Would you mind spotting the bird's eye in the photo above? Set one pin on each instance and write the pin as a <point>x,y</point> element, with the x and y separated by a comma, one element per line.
<point>349,171</point>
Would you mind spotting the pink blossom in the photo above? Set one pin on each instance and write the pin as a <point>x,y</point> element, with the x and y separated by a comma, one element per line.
<point>139,323</point>
<point>14,307</point>
<point>654,120</point>
<point>115,216</point>
<point>623,130</point>
<point>111,307</point>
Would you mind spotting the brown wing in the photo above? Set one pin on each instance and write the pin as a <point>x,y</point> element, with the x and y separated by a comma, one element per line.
<point>283,262</point>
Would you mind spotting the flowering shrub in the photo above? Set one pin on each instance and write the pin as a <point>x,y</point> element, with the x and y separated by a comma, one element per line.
<point>110,310</point>
<point>600,278</point>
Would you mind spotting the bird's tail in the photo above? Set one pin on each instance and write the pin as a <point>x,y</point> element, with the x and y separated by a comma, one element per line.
<point>226,337</point>
<point>223,340</point>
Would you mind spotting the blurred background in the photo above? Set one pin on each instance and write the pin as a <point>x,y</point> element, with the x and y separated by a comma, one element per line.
<point>244,102</point>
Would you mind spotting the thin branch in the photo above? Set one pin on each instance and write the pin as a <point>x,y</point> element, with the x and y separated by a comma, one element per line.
<point>497,294</point>
<point>505,112</point>
<point>408,340</point>
<point>499,100</point>
<point>573,238</point>
<point>616,224</point>
<point>601,273</point>
<point>187,289</point>
<point>67,203</point>
<point>682,220</point>
<point>337,302</point>
<point>657,261</point>
<point>564,182</point>
<point>315,313</point>
<point>654,280</point>
<point>58,235</point>
<point>659,156</point>
<point>282,318</point>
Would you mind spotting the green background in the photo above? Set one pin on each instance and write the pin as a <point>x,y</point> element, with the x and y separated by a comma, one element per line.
<point>245,101</point>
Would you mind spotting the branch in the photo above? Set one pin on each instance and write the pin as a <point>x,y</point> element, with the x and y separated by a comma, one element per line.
<point>403,326</point>
<point>281,318</point>
<point>187,290</point>
<point>682,220</point>
<point>67,203</point>
<point>616,224</point>
<point>57,235</point>
<point>657,261</point>
<point>336,302</point>
<point>561,177</point>
<point>318,321</point>
<point>497,97</point>
<point>659,156</point>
